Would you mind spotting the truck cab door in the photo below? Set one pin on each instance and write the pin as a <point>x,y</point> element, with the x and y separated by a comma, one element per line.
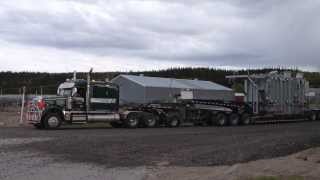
<point>104,98</point>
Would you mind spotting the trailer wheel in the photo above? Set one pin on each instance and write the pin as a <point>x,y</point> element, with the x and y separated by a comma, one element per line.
<point>312,116</point>
<point>233,119</point>
<point>221,119</point>
<point>132,120</point>
<point>52,121</point>
<point>245,119</point>
<point>150,120</point>
<point>173,121</point>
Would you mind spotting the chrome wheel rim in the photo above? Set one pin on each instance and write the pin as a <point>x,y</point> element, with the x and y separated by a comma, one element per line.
<point>174,122</point>
<point>151,122</point>
<point>133,122</point>
<point>53,121</point>
<point>221,120</point>
<point>234,120</point>
<point>246,120</point>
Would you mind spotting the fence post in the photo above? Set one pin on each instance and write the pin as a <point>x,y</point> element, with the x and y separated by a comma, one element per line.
<point>22,105</point>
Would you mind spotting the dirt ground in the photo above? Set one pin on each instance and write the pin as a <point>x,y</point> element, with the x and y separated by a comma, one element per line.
<point>304,165</point>
<point>9,118</point>
<point>192,153</point>
<point>25,165</point>
<point>285,151</point>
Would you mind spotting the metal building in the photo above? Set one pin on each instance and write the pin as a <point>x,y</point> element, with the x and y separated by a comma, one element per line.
<point>143,89</point>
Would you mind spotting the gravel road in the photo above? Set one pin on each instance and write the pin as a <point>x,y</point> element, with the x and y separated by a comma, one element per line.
<point>187,146</point>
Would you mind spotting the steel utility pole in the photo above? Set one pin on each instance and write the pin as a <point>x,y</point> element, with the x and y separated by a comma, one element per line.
<point>22,105</point>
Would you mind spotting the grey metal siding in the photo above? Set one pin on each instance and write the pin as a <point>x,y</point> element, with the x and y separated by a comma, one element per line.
<point>130,92</point>
<point>161,94</point>
<point>214,94</point>
<point>166,94</point>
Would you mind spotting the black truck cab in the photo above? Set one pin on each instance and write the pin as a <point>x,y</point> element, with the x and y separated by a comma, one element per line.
<point>103,96</point>
<point>77,101</point>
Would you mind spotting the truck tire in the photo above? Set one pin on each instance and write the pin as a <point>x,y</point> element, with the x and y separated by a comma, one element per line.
<point>52,121</point>
<point>221,119</point>
<point>116,124</point>
<point>312,116</point>
<point>245,119</point>
<point>150,120</point>
<point>173,121</point>
<point>132,120</point>
<point>233,119</point>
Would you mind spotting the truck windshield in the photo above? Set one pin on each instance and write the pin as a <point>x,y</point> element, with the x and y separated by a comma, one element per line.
<point>64,92</point>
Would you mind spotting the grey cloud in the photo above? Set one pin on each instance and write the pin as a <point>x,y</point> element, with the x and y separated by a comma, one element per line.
<point>69,30</point>
<point>218,32</point>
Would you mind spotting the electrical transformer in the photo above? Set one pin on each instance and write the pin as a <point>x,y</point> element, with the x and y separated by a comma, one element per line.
<point>276,93</point>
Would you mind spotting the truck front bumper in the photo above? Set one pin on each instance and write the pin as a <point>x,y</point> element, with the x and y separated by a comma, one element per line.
<point>34,116</point>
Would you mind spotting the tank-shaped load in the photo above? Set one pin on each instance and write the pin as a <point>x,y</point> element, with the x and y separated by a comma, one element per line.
<point>275,93</point>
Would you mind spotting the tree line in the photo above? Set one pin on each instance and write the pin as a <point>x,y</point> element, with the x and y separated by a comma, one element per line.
<point>10,82</point>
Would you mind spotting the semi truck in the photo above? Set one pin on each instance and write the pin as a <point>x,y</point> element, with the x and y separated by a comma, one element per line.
<point>80,101</point>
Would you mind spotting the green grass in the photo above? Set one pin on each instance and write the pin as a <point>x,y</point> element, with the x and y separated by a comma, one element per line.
<point>274,178</point>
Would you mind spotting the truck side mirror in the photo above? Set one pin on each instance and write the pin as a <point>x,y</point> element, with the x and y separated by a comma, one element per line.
<point>74,91</point>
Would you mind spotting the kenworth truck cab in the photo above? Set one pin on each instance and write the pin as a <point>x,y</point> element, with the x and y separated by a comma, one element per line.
<point>77,101</point>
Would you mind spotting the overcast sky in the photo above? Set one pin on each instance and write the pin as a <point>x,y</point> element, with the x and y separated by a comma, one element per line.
<point>67,35</point>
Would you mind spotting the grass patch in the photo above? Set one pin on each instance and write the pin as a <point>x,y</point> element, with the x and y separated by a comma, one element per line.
<point>274,178</point>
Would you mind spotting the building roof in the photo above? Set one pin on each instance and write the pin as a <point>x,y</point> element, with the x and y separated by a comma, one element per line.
<point>173,83</point>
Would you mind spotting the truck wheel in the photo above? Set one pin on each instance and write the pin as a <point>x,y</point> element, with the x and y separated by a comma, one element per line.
<point>116,124</point>
<point>150,120</point>
<point>52,121</point>
<point>132,120</point>
<point>245,119</point>
<point>233,119</point>
<point>173,121</point>
<point>221,119</point>
<point>312,116</point>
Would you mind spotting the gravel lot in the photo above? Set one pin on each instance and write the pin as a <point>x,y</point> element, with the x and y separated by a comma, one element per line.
<point>28,148</point>
<point>188,146</point>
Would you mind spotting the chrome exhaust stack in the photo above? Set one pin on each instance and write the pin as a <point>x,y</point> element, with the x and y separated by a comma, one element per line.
<point>88,92</point>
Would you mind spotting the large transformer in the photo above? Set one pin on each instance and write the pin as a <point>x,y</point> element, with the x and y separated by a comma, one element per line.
<point>277,93</point>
